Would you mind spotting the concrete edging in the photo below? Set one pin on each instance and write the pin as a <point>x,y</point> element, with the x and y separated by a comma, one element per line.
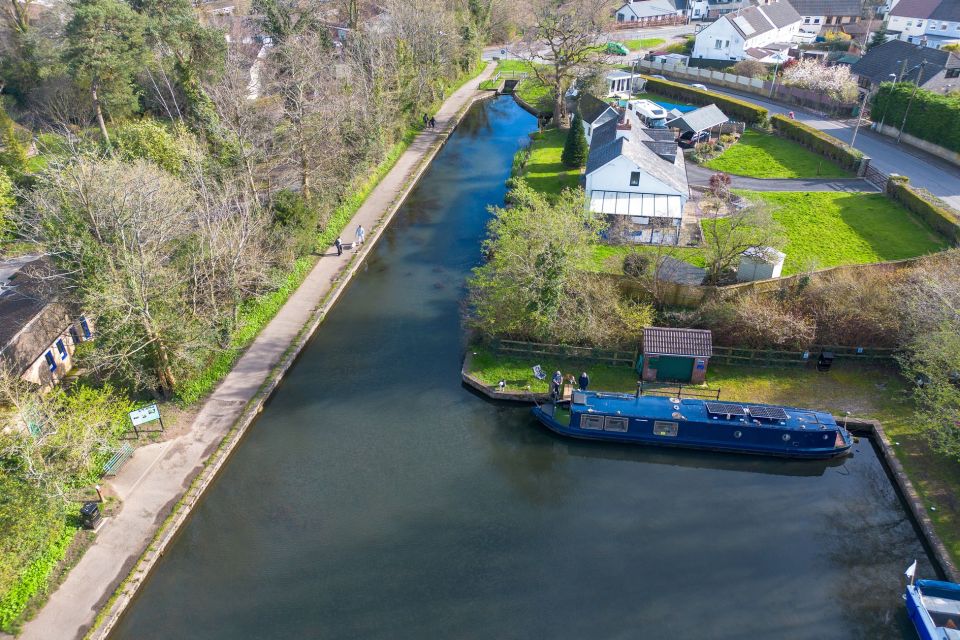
<point>872,429</point>
<point>127,589</point>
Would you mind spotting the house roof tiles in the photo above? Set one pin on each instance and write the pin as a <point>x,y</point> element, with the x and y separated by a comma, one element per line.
<point>827,7</point>
<point>700,119</point>
<point>947,10</point>
<point>896,56</point>
<point>677,342</point>
<point>591,108</point>
<point>915,8</point>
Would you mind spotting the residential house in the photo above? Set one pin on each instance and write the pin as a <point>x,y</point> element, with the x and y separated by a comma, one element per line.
<point>594,112</point>
<point>822,16</point>
<point>623,83</point>
<point>943,25</point>
<point>753,32</point>
<point>637,177</point>
<point>38,334</point>
<point>907,19</point>
<point>935,69</point>
<point>651,11</point>
<point>718,8</point>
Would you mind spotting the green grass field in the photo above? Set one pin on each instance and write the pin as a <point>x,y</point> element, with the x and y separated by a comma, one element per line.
<point>764,155</point>
<point>825,229</point>
<point>543,170</point>
<point>866,392</point>
<point>642,43</point>
<point>609,258</point>
<point>530,90</point>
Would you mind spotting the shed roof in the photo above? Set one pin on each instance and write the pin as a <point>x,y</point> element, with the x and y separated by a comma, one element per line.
<point>694,343</point>
<point>699,119</point>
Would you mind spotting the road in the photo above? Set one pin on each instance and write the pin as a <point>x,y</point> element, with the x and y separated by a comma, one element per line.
<point>928,172</point>
<point>627,34</point>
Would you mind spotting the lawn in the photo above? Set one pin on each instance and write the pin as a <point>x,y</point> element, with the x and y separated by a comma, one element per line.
<point>642,43</point>
<point>530,90</point>
<point>764,155</point>
<point>866,392</point>
<point>543,170</point>
<point>609,258</point>
<point>825,229</point>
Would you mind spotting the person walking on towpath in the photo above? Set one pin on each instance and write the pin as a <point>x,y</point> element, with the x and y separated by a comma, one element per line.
<point>361,234</point>
<point>433,122</point>
<point>584,381</point>
<point>425,121</point>
<point>339,245</point>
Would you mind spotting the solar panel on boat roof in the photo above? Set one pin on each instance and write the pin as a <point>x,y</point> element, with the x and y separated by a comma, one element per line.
<point>725,409</point>
<point>771,413</point>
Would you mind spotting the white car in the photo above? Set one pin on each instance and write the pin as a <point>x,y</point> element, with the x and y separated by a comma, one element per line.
<point>697,85</point>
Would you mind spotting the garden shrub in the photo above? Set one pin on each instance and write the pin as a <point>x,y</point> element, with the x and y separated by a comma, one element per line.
<point>926,206</point>
<point>818,141</point>
<point>636,265</point>
<point>735,109</point>
<point>150,140</point>
<point>295,219</point>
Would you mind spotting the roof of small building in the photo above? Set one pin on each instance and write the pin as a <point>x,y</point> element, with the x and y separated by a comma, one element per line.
<point>915,8</point>
<point>653,8</point>
<point>590,107</point>
<point>694,343</point>
<point>699,119</point>
<point>883,59</point>
<point>947,10</point>
<point>673,270</point>
<point>754,21</point>
<point>827,7</point>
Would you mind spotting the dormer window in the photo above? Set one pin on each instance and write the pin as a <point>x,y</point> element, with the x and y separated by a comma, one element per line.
<point>634,178</point>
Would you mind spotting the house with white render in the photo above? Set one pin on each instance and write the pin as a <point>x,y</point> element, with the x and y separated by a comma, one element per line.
<point>751,32</point>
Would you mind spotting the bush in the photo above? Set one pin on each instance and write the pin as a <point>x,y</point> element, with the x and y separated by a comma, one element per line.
<point>750,68</point>
<point>818,141</point>
<point>33,580</point>
<point>636,265</point>
<point>295,220</point>
<point>150,140</point>
<point>756,322</point>
<point>928,208</point>
<point>928,107</point>
<point>735,109</point>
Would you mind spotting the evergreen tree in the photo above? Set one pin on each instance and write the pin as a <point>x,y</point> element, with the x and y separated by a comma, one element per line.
<point>575,149</point>
<point>879,36</point>
<point>13,154</point>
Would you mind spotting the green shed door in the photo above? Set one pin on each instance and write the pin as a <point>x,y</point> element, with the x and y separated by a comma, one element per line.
<point>671,368</point>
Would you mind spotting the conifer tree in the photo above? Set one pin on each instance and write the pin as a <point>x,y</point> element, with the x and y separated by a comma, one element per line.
<point>575,149</point>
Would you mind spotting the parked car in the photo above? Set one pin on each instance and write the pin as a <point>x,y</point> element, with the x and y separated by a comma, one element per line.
<point>689,139</point>
<point>617,49</point>
<point>697,85</point>
<point>658,77</point>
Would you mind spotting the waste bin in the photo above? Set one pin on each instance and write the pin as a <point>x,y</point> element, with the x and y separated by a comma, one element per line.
<point>90,515</point>
<point>824,361</point>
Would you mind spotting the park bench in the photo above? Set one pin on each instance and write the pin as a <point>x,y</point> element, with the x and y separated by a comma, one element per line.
<point>117,460</point>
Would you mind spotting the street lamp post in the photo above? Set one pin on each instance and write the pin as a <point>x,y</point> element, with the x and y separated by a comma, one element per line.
<point>863,105</point>
<point>910,102</point>
<point>893,84</point>
<point>773,85</point>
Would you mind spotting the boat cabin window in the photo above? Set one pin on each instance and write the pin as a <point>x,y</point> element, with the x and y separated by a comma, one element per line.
<point>616,424</point>
<point>591,422</point>
<point>661,428</point>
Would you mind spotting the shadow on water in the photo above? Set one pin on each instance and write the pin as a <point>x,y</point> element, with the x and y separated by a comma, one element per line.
<point>377,498</point>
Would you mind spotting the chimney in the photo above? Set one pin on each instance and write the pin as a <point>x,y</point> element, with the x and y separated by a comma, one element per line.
<point>623,124</point>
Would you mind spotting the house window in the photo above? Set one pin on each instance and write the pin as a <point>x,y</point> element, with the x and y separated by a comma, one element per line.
<point>953,73</point>
<point>634,178</point>
<point>86,327</point>
<point>719,44</point>
<point>909,23</point>
<point>919,23</point>
<point>727,43</point>
<point>816,21</point>
<point>74,336</point>
<point>943,26</point>
<point>61,349</point>
<point>48,356</point>
<point>806,20</point>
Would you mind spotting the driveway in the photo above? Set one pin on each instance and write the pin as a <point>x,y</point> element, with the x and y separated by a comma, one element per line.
<point>929,172</point>
<point>698,176</point>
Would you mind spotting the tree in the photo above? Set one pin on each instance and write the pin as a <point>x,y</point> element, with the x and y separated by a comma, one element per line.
<point>120,234</point>
<point>879,36</point>
<point>731,229</point>
<point>933,363</point>
<point>953,47</point>
<point>7,201</point>
<point>836,82</point>
<point>105,49</point>
<point>560,38</point>
<point>575,148</point>
<point>13,154</point>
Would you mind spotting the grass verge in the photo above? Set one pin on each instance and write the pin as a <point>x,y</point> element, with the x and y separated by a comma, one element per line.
<point>609,258</point>
<point>642,43</point>
<point>764,155</point>
<point>543,170</point>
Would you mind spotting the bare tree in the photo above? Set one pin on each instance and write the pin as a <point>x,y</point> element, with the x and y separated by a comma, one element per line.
<point>729,229</point>
<point>560,39</point>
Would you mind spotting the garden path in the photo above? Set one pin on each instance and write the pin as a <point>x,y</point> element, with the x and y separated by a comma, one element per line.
<point>698,176</point>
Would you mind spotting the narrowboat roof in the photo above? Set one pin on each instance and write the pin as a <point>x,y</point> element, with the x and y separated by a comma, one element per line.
<point>692,409</point>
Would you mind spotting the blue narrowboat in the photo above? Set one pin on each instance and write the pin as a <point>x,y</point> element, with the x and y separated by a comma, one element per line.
<point>697,424</point>
<point>933,607</point>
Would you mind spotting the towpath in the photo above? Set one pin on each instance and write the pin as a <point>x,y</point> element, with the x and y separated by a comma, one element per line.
<point>158,475</point>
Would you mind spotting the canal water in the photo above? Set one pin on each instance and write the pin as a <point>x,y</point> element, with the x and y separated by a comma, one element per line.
<point>377,498</point>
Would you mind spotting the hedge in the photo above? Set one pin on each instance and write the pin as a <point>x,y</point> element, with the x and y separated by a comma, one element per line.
<point>732,107</point>
<point>818,141</point>
<point>927,207</point>
<point>933,117</point>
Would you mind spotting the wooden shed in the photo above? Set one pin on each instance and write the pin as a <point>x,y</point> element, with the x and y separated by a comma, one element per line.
<point>676,355</point>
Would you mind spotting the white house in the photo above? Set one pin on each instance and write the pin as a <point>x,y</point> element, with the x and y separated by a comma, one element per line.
<point>650,10</point>
<point>637,176</point>
<point>907,19</point>
<point>943,25</point>
<point>757,28</point>
<point>827,15</point>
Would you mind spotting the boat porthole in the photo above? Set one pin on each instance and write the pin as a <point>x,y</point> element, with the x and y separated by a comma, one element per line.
<point>737,434</point>
<point>786,437</point>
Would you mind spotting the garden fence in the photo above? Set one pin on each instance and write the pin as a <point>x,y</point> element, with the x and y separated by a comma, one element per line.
<point>518,348</point>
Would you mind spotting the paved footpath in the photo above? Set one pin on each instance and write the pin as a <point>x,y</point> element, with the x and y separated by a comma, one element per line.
<point>158,475</point>
<point>698,175</point>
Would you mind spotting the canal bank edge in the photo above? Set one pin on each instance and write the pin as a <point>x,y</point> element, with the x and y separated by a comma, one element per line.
<point>872,429</point>
<point>126,590</point>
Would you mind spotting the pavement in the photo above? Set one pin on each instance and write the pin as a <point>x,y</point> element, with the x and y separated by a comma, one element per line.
<point>699,176</point>
<point>937,176</point>
<point>152,482</point>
